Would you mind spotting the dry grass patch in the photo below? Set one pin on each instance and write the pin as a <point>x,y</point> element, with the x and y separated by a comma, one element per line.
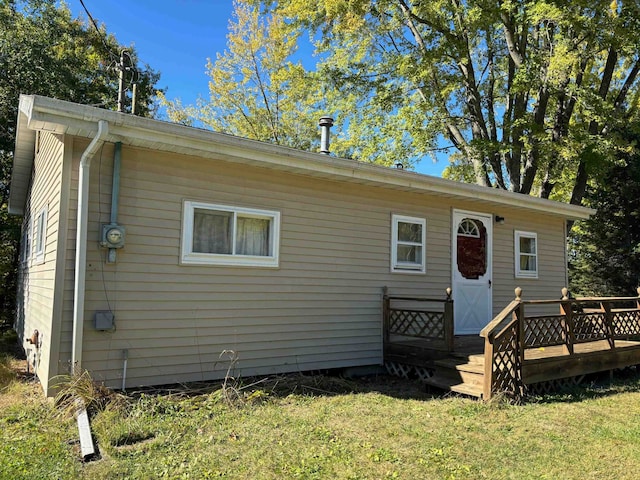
<point>7,372</point>
<point>34,443</point>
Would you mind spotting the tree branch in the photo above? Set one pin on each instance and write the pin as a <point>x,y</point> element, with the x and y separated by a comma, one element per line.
<point>263,92</point>
<point>509,36</point>
<point>423,21</point>
<point>580,186</point>
<point>631,78</point>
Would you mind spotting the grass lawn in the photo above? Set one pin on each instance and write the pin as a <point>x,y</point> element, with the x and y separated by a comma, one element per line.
<point>320,427</point>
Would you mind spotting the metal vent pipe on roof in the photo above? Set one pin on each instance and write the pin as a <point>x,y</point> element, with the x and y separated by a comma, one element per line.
<point>326,123</point>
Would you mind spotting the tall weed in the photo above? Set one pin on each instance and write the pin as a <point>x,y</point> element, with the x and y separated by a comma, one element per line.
<point>80,387</point>
<point>7,374</point>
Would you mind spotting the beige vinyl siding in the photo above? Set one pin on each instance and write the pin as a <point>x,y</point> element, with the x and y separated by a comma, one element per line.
<point>39,277</point>
<point>320,309</point>
<point>551,260</point>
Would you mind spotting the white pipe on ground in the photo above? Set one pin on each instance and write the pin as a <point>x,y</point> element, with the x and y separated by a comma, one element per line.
<point>125,353</point>
<point>81,242</point>
<point>87,448</point>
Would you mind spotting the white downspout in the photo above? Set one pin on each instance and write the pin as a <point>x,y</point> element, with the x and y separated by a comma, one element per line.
<point>81,242</point>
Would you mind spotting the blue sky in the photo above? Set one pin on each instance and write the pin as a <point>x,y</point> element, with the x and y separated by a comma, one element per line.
<point>175,37</point>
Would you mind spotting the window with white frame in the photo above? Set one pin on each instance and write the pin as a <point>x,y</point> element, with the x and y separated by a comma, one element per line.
<point>26,242</point>
<point>40,234</point>
<point>526,249</point>
<point>408,244</point>
<point>227,235</point>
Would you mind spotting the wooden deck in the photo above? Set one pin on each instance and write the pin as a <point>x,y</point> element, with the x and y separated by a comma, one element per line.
<point>515,353</point>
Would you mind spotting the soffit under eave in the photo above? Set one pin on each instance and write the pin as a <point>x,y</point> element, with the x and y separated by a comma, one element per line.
<point>23,156</point>
<point>342,170</point>
<point>315,165</point>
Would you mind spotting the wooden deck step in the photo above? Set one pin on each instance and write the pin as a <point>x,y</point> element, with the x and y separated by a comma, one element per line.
<point>477,358</point>
<point>460,365</point>
<point>459,374</point>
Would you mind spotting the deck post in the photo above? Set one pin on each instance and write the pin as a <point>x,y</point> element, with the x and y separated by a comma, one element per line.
<point>608,323</point>
<point>519,314</point>
<point>487,387</point>
<point>567,327</point>
<point>448,321</point>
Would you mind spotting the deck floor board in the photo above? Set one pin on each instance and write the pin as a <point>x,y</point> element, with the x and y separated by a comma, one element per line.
<point>578,348</point>
<point>474,345</point>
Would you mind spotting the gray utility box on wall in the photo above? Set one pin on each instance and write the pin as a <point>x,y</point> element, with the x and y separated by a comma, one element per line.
<point>103,320</point>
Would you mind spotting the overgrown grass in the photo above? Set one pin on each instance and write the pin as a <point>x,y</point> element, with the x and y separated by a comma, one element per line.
<point>323,427</point>
<point>34,441</point>
<point>7,374</point>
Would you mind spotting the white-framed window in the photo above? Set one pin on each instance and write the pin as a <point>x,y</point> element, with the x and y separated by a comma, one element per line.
<point>226,235</point>
<point>408,244</point>
<point>40,235</point>
<point>526,250</point>
<point>26,241</point>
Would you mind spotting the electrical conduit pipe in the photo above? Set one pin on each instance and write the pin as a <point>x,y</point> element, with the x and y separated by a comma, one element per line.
<point>81,242</point>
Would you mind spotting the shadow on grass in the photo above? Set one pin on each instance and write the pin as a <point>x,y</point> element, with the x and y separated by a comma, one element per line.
<point>314,384</point>
<point>597,385</point>
<point>331,383</point>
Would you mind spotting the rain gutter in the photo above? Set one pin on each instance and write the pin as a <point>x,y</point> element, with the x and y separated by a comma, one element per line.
<point>81,242</point>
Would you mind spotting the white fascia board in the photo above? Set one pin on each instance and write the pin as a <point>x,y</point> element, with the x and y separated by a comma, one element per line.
<point>80,120</point>
<point>23,156</point>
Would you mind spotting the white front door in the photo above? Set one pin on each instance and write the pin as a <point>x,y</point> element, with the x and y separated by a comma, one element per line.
<point>471,271</point>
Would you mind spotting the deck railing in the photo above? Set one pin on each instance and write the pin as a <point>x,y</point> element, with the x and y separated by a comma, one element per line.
<point>419,317</point>
<point>580,320</point>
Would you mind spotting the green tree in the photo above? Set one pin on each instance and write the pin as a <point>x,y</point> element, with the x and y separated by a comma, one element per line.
<point>45,51</point>
<point>605,250</point>
<point>527,92</point>
<point>259,88</point>
<point>256,90</point>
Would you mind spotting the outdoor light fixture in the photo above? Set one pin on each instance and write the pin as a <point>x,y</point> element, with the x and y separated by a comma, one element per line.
<point>499,220</point>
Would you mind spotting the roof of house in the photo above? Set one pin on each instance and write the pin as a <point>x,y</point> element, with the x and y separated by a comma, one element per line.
<point>61,117</point>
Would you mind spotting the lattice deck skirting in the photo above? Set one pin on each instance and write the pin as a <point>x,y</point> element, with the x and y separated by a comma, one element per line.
<point>553,386</point>
<point>408,371</point>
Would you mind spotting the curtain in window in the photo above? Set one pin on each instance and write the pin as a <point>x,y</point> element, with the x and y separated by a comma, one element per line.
<point>528,254</point>
<point>527,263</point>
<point>528,245</point>
<point>212,231</point>
<point>252,236</point>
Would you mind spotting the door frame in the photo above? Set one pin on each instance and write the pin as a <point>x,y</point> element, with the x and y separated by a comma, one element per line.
<point>487,219</point>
